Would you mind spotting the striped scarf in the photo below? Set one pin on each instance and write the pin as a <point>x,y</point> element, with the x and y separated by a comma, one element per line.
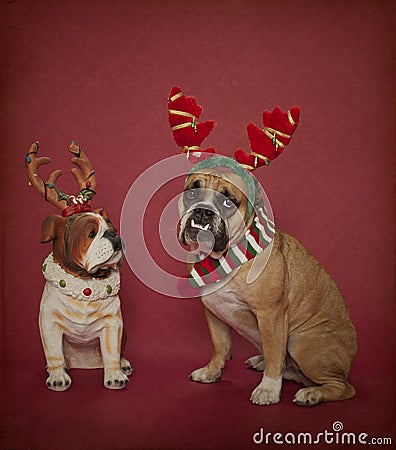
<point>256,239</point>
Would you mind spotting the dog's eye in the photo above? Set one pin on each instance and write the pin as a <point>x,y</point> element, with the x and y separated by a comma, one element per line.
<point>228,203</point>
<point>190,194</point>
<point>92,234</point>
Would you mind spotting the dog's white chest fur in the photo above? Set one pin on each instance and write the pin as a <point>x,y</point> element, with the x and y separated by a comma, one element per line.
<point>227,306</point>
<point>80,322</point>
<point>82,319</point>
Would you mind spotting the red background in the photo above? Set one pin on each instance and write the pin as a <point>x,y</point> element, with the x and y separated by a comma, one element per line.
<point>99,72</point>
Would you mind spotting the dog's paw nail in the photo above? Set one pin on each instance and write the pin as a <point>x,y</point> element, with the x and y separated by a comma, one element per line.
<point>217,379</point>
<point>66,383</point>
<point>116,381</point>
<point>109,383</point>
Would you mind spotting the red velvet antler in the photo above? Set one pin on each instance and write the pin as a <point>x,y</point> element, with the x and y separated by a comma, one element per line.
<point>269,142</point>
<point>183,115</point>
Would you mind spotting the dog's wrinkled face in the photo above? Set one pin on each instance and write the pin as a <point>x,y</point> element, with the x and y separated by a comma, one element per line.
<point>92,242</point>
<point>213,211</point>
<point>86,241</point>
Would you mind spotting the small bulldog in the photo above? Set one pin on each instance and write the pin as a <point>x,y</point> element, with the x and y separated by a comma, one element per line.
<point>80,315</point>
<point>288,307</point>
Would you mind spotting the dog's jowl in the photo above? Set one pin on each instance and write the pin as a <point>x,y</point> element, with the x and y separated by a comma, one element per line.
<point>80,314</point>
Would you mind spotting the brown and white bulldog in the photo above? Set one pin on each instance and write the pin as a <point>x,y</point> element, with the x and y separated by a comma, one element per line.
<point>80,314</point>
<point>292,310</point>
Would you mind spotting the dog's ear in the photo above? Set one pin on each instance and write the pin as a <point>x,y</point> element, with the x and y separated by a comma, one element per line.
<point>105,216</point>
<point>101,212</point>
<point>258,198</point>
<point>50,228</point>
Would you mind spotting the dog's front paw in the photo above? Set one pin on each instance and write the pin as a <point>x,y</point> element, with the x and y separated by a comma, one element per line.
<point>115,379</point>
<point>58,380</point>
<point>310,396</point>
<point>267,392</point>
<point>126,366</point>
<point>205,375</point>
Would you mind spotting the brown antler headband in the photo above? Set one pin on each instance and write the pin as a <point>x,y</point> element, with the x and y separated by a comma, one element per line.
<point>85,177</point>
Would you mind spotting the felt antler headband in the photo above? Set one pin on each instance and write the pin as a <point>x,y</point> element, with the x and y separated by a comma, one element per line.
<point>183,116</point>
<point>85,177</point>
<point>266,143</point>
<point>269,142</point>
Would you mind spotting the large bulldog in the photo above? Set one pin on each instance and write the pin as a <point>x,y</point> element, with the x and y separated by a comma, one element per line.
<point>288,307</point>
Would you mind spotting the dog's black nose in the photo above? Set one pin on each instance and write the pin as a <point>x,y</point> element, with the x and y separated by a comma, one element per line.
<point>110,234</point>
<point>115,240</point>
<point>203,213</point>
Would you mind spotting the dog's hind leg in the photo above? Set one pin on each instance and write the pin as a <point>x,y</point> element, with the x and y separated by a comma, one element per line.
<point>327,369</point>
<point>256,363</point>
<point>330,391</point>
<point>126,366</point>
<point>293,372</point>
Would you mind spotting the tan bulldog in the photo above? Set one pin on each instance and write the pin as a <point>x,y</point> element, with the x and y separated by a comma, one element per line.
<point>80,314</point>
<point>292,310</point>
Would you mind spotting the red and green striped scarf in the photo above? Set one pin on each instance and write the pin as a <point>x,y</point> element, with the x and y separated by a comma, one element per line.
<point>256,239</point>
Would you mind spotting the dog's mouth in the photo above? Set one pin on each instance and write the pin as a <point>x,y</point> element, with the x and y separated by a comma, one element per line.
<point>194,227</point>
<point>114,262</point>
<point>198,225</point>
<point>205,236</point>
<point>200,237</point>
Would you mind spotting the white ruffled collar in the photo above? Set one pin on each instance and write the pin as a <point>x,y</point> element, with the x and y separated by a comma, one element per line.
<point>87,290</point>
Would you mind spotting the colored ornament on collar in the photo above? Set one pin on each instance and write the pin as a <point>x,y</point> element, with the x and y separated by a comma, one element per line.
<point>92,289</point>
<point>223,161</point>
<point>256,239</point>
